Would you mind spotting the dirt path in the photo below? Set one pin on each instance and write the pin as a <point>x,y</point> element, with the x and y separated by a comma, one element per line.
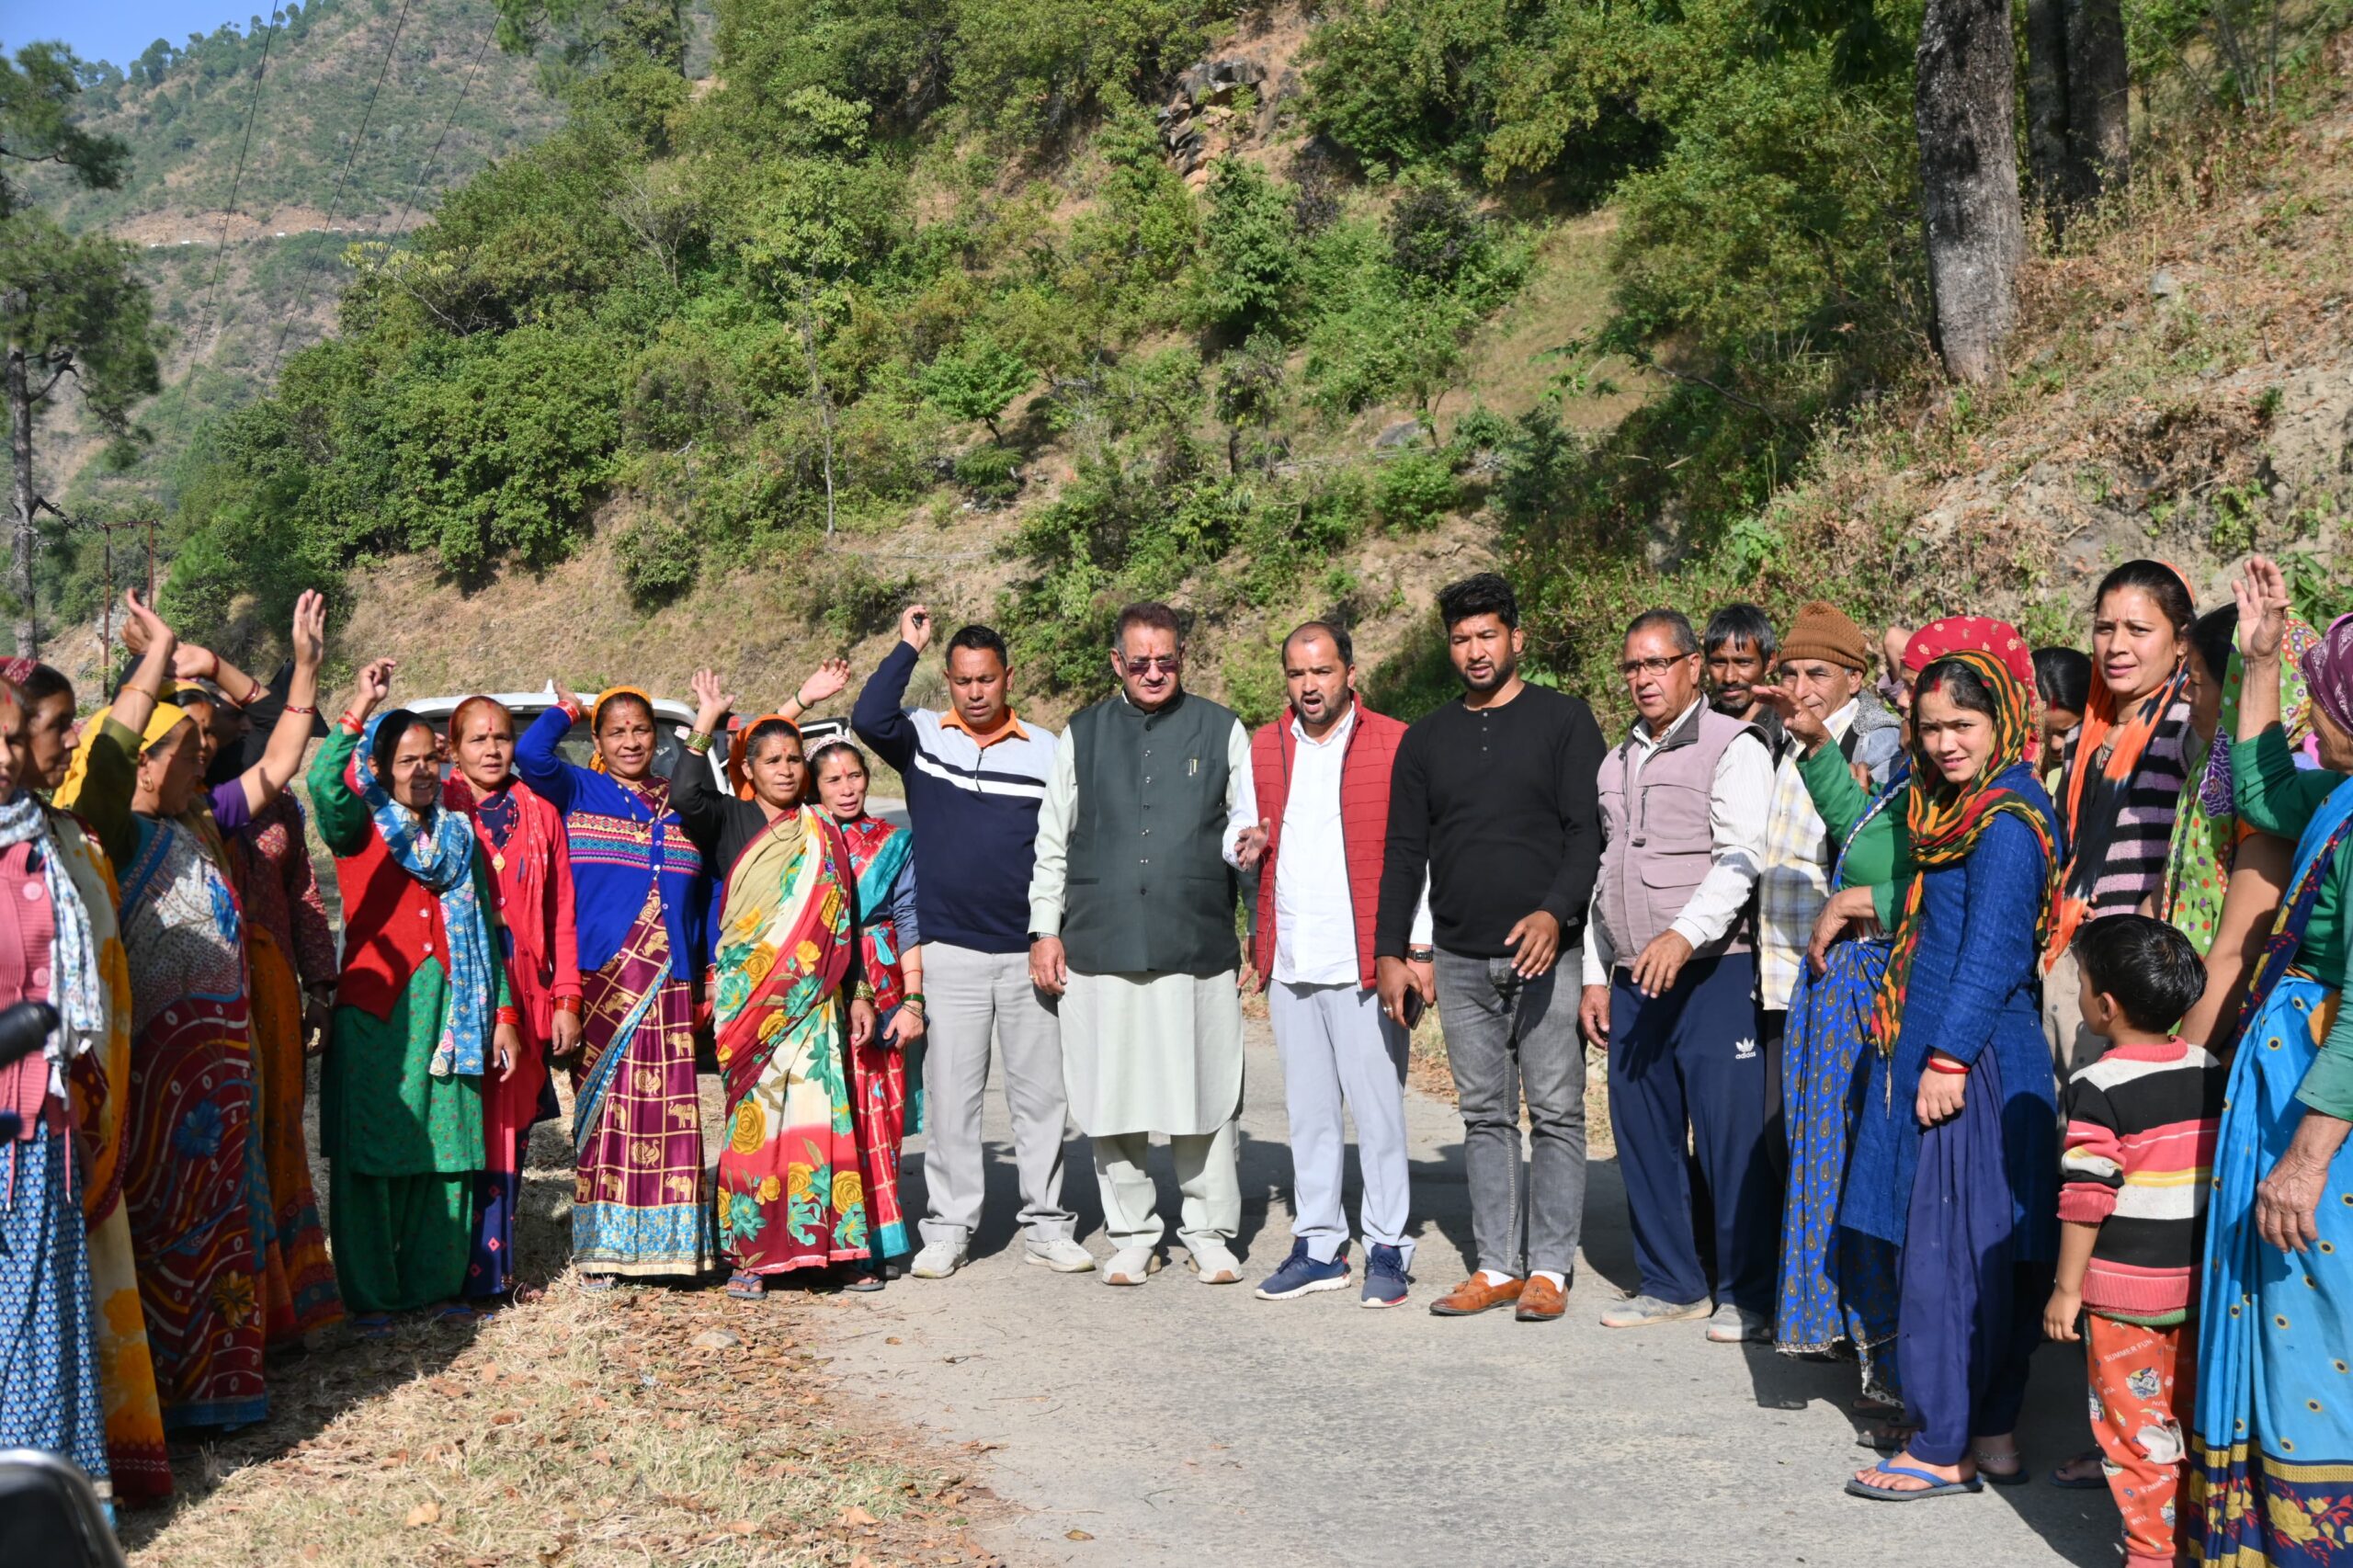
<point>1180,1424</point>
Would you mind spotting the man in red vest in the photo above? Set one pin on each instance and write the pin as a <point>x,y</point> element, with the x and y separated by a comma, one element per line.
<point>1322,776</point>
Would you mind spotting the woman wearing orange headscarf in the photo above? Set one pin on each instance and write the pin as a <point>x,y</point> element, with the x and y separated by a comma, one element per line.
<point>2120,786</point>
<point>638,1201</point>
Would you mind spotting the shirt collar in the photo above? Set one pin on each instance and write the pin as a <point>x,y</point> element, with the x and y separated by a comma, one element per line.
<point>950,719</point>
<point>1334,736</point>
<point>1650,742</point>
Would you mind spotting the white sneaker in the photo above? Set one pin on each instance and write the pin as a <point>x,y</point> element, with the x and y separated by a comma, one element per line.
<point>1739,1325</point>
<point>1213,1263</point>
<point>1059,1254</point>
<point>937,1260</point>
<point>1130,1266</point>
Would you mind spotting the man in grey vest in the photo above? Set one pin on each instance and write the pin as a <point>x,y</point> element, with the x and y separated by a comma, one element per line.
<point>1670,989</point>
<point>1148,813</point>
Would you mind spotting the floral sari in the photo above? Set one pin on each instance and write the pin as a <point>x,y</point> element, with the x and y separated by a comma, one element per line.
<point>879,1072</point>
<point>790,1195</point>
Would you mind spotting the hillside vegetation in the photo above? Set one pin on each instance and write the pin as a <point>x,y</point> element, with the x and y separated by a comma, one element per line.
<point>240,237</point>
<point>1030,308</point>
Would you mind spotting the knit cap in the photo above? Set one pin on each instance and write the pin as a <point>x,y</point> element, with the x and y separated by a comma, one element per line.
<point>1824,632</point>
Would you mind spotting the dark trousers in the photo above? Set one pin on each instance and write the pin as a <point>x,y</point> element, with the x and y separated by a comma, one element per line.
<point>1971,1314</point>
<point>1773,1038</point>
<point>1686,1074</point>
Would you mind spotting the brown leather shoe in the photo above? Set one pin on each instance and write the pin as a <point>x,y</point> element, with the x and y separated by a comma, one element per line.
<point>1541,1301</point>
<point>1474,1296</point>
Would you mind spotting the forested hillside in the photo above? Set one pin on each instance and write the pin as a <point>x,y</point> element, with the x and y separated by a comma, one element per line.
<point>258,156</point>
<point>1031,307</point>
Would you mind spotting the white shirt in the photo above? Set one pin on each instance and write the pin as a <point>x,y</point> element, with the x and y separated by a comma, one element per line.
<point>1740,796</point>
<point>1048,876</point>
<point>1315,922</point>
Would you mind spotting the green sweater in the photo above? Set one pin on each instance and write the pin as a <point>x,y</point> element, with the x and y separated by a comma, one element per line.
<point>2276,797</point>
<point>1880,856</point>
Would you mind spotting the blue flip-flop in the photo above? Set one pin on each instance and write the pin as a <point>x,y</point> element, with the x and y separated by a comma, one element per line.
<point>372,1325</point>
<point>1937,1485</point>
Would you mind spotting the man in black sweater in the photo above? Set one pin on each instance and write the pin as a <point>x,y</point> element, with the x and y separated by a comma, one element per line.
<point>1492,800</point>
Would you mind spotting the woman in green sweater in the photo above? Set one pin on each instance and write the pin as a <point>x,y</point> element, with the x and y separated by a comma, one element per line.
<point>2274,1423</point>
<point>422,1011</point>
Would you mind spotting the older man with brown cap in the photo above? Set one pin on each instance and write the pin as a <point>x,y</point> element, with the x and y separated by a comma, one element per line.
<point>1824,669</point>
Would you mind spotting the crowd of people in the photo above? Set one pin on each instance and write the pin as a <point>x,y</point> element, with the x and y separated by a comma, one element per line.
<point>1955,995</point>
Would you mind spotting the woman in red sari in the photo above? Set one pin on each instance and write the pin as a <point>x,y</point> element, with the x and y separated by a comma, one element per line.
<point>530,860</point>
<point>891,952</point>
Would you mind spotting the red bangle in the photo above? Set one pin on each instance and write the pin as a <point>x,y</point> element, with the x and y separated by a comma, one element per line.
<point>568,1005</point>
<point>1957,1070</point>
<point>356,725</point>
<point>510,1016</point>
<point>310,713</point>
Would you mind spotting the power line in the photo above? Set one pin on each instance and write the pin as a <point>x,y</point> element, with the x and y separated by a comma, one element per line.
<point>358,140</point>
<point>253,104</point>
<point>432,157</point>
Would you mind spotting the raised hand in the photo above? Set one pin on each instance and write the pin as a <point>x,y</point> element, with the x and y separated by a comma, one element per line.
<point>915,627</point>
<point>713,701</point>
<point>1802,722</point>
<point>2261,590</point>
<point>310,634</point>
<point>375,684</point>
<point>145,629</point>
<point>826,680</point>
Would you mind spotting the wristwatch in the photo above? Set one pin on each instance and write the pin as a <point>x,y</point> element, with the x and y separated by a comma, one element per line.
<point>1421,955</point>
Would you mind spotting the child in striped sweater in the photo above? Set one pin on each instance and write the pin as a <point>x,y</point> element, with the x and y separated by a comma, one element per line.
<point>2140,1149</point>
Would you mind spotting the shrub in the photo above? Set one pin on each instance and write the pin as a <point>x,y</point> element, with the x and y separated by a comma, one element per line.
<point>1415,490</point>
<point>659,557</point>
<point>990,475</point>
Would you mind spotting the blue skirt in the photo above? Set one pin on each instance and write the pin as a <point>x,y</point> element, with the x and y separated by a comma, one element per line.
<point>49,1348</point>
<point>1838,1287</point>
<point>2271,1480</point>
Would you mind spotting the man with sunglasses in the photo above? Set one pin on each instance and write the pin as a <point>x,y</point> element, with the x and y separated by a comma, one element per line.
<point>1149,813</point>
<point>1492,798</point>
<point>1670,989</point>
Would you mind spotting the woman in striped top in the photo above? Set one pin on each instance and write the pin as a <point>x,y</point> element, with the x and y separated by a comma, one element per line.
<point>2123,779</point>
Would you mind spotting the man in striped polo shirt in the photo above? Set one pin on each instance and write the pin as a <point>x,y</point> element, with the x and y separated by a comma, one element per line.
<point>976,777</point>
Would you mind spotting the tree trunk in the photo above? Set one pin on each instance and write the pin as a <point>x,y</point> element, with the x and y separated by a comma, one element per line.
<point>2099,91</point>
<point>2048,159</point>
<point>23,541</point>
<point>1964,102</point>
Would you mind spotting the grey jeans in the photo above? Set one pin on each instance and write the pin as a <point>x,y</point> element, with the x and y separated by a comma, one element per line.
<point>973,997</point>
<point>1506,1035</point>
<point>1338,1050</point>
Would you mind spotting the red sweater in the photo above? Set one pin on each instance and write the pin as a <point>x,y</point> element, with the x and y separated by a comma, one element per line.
<point>1364,822</point>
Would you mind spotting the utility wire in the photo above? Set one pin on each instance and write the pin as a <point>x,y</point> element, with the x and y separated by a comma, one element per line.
<point>221,252</point>
<point>335,203</point>
<point>434,156</point>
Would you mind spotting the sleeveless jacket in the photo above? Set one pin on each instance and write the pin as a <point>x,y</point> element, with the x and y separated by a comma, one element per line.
<point>1657,847</point>
<point>1364,822</point>
<point>1148,889</point>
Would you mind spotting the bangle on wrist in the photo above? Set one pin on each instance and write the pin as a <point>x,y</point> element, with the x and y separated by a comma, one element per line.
<point>698,742</point>
<point>300,712</point>
<point>510,1016</point>
<point>353,721</point>
<point>1950,1069</point>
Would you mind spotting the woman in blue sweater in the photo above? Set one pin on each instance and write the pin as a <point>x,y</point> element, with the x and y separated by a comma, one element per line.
<point>1955,1147</point>
<point>638,1207</point>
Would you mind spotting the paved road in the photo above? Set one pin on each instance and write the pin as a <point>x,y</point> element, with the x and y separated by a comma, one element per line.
<point>1182,1423</point>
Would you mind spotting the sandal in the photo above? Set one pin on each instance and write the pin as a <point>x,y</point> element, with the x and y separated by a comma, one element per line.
<point>453,1311</point>
<point>2070,1477</point>
<point>372,1325</point>
<point>598,1281</point>
<point>864,1280</point>
<point>746,1287</point>
<point>1937,1485</point>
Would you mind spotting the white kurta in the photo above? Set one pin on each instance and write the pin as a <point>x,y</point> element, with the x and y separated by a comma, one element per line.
<point>1144,1052</point>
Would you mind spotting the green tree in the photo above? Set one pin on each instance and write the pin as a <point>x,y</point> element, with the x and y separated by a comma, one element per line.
<point>1250,245</point>
<point>976,381</point>
<point>72,306</point>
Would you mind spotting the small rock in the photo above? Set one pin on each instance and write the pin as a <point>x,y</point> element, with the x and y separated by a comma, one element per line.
<point>1405,433</point>
<point>716,1339</point>
<point>2163,285</point>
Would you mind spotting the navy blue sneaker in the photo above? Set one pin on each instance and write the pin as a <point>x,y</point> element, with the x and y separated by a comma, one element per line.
<point>1301,1274</point>
<point>1385,1278</point>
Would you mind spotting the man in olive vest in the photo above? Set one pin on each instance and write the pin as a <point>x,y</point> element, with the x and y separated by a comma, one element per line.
<point>1670,989</point>
<point>1148,813</point>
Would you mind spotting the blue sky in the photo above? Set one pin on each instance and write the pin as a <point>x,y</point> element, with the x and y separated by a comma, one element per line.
<point>117,30</point>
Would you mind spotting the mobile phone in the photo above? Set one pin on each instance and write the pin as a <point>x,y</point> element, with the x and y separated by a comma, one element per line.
<point>1412,1009</point>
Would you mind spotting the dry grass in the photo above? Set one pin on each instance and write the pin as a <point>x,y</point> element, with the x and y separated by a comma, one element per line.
<point>649,1424</point>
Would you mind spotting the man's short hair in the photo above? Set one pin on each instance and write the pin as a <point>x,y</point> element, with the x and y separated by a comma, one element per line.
<point>1486,594</point>
<point>1151,613</point>
<point>2151,969</point>
<point>1337,636</point>
<point>1741,623</point>
<point>984,639</point>
<point>1676,623</point>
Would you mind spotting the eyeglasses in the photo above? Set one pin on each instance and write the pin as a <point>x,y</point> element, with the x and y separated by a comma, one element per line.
<point>1633,667</point>
<point>1166,662</point>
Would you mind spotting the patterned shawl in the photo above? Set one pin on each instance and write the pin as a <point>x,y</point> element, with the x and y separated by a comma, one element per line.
<point>784,941</point>
<point>1948,820</point>
<point>76,989</point>
<point>438,852</point>
<point>879,852</point>
<point>2126,736</point>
